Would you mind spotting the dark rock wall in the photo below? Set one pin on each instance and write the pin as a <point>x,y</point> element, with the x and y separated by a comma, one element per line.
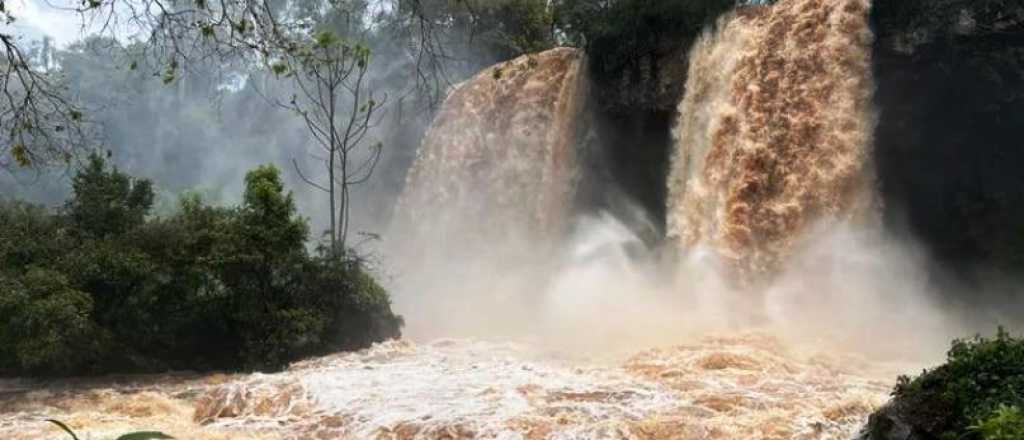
<point>950,136</point>
<point>634,111</point>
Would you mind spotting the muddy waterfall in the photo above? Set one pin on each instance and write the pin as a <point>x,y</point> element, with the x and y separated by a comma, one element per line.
<point>559,295</point>
<point>774,133</point>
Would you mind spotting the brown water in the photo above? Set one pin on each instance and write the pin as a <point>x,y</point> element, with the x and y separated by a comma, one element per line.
<point>774,133</point>
<point>741,385</point>
<point>500,156</point>
<point>773,138</point>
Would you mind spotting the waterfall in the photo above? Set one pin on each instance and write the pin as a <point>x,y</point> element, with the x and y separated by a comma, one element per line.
<point>774,132</point>
<point>499,158</point>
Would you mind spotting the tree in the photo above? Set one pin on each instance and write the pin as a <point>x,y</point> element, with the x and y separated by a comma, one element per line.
<point>108,202</point>
<point>333,100</point>
<point>444,41</point>
<point>266,246</point>
<point>205,287</point>
<point>451,40</point>
<point>620,34</point>
<point>45,324</point>
<point>39,123</point>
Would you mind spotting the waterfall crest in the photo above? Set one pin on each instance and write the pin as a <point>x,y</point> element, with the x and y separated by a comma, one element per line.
<point>500,155</point>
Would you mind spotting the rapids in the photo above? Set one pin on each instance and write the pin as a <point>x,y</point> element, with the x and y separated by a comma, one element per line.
<point>741,385</point>
<point>773,138</point>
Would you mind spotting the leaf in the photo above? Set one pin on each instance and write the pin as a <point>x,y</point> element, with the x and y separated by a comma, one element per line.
<point>144,435</point>
<point>279,68</point>
<point>64,427</point>
<point>242,26</point>
<point>206,29</point>
<point>325,38</point>
<point>20,154</point>
<point>134,65</point>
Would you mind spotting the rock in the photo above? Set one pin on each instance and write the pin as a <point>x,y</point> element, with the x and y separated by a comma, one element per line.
<point>887,424</point>
<point>950,101</point>
<point>923,415</point>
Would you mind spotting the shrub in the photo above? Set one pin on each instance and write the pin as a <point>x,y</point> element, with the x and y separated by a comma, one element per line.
<point>980,385</point>
<point>620,34</point>
<point>107,202</point>
<point>46,325</point>
<point>208,287</point>
<point>1005,423</point>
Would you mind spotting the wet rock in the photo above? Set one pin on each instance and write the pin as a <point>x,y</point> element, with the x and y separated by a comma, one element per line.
<point>922,415</point>
<point>950,101</point>
<point>886,424</point>
<point>889,423</point>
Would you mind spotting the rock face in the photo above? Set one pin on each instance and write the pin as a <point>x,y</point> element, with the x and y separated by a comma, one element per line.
<point>950,96</point>
<point>650,84</point>
<point>500,157</point>
<point>774,133</point>
<point>894,421</point>
<point>886,425</point>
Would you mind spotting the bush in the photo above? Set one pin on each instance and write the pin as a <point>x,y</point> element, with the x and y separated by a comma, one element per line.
<point>505,29</point>
<point>46,325</point>
<point>1005,423</point>
<point>976,394</point>
<point>107,202</point>
<point>207,287</point>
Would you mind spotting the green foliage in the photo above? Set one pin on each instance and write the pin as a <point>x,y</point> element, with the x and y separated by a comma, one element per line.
<point>325,39</point>
<point>620,34</point>
<point>516,27</point>
<point>205,287</point>
<point>107,202</point>
<point>45,324</point>
<point>487,31</point>
<point>981,385</point>
<point>1005,423</point>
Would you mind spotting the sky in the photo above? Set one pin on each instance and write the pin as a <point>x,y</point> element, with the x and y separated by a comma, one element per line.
<point>38,18</point>
<point>35,19</point>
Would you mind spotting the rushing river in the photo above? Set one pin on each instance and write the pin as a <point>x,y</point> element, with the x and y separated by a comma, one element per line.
<point>729,386</point>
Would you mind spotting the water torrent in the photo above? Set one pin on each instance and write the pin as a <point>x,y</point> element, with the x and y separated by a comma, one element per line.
<point>720,387</point>
<point>528,320</point>
<point>774,133</point>
<point>499,158</point>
